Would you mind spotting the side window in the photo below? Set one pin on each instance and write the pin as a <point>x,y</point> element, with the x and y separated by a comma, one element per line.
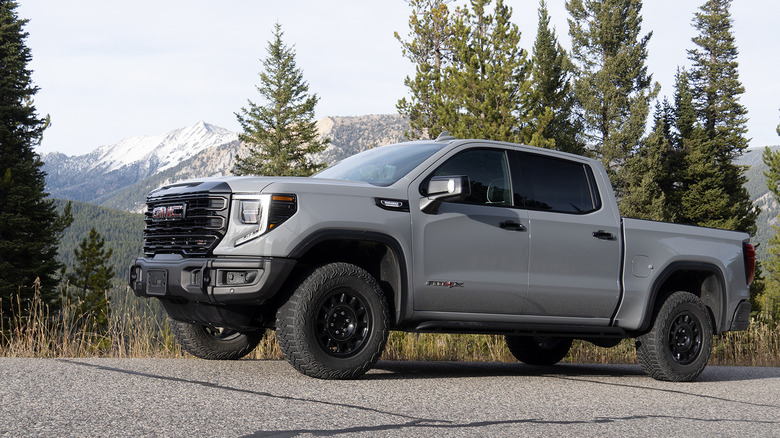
<point>551,184</point>
<point>488,173</point>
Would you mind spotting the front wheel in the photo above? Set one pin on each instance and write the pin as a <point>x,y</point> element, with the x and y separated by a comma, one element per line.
<point>335,325</point>
<point>679,344</point>
<point>538,350</point>
<point>214,343</point>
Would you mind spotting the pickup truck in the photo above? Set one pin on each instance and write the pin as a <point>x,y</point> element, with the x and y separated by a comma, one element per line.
<point>454,236</point>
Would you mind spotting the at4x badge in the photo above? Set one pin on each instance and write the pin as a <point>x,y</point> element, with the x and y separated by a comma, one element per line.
<point>449,284</point>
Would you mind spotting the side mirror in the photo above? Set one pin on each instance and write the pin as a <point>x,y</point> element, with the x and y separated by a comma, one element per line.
<point>444,188</point>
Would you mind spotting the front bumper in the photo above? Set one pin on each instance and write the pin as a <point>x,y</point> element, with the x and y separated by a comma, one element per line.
<point>224,280</point>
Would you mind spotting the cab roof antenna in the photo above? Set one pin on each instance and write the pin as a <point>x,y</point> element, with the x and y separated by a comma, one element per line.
<point>445,136</point>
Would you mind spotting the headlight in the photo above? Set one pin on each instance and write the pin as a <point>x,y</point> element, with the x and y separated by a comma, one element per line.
<point>250,212</point>
<point>262,213</point>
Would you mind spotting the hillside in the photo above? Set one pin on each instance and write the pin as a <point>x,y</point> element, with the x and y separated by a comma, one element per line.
<point>122,231</point>
<point>350,135</point>
<point>761,196</point>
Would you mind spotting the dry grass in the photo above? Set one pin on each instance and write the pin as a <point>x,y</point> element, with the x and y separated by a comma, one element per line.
<point>757,346</point>
<point>138,328</point>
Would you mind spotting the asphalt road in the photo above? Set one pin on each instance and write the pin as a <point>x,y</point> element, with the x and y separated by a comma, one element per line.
<point>195,398</point>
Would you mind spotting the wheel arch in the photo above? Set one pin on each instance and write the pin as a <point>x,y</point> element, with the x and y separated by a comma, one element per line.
<point>379,254</point>
<point>705,280</point>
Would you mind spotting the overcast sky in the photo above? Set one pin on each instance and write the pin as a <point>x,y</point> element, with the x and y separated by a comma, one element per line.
<point>110,70</point>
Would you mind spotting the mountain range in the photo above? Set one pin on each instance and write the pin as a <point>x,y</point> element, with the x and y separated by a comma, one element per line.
<point>119,176</point>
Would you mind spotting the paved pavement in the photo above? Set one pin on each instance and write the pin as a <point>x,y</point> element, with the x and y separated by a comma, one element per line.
<point>196,398</point>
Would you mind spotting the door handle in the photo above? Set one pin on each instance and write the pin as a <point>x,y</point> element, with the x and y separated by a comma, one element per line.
<point>512,226</point>
<point>603,235</point>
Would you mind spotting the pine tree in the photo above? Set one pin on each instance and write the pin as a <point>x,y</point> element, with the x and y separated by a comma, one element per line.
<point>483,87</point>
<point>30,227</point>
<point>471,72</point>
<point>684,112</point>
<point>715,89</point>
<point>681,119</point>
<point>282,134</point>
<point>613,89</point>
<point>765,298</point>
<point>550,101</point>
<point>649,180</point>
<point>682,134</point>
<point>429,51</point>
<point>92,272</point>
<point>92,276</point>
<point>769,301</point>
<point>700,197</point>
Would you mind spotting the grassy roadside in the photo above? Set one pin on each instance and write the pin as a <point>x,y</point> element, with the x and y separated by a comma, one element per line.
<point>138,328</point>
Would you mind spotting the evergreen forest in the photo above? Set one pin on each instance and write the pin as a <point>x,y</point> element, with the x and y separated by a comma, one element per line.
<point>122,231</point>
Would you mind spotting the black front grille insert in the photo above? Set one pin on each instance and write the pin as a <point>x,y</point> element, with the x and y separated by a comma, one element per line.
<point>188,224</point>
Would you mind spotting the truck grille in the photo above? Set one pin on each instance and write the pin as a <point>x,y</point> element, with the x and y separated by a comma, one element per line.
<point>188,224</point>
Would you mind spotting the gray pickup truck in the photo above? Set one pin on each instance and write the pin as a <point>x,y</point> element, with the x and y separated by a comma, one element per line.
<point>455,236</point>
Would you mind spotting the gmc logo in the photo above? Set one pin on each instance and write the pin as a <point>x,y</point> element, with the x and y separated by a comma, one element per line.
<point>169,213</point>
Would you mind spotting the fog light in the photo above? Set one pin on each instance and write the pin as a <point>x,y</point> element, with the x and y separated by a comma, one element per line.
<point>235,278</point>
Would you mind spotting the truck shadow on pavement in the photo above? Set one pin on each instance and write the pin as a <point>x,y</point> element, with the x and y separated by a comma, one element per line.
<point>451,369</point>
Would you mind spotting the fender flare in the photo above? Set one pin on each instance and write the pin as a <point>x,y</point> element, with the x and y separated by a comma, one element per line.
<point>716,304</point>
<point>401,299</point>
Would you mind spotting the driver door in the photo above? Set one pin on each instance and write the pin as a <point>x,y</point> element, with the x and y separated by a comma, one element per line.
<point>471,255</point>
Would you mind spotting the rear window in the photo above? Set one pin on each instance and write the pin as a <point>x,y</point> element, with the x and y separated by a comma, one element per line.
<point>556,185</point>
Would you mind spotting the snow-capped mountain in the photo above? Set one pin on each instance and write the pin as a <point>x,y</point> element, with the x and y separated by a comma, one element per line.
<point>161,151</point>
<point>120,175</point>
<point>166,150</point>
<point>107,169</point>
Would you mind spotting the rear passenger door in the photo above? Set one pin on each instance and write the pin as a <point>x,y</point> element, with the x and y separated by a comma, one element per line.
<point>574,263</point>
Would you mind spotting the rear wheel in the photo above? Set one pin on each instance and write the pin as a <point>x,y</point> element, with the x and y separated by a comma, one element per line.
<point>538,350</point>
<point>679,344</point>
<point>216,343</point>
<point>335,325</point>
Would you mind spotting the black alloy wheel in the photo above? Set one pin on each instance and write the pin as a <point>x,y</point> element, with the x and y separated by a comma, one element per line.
<point>685,339</point>
<point>343,323</point>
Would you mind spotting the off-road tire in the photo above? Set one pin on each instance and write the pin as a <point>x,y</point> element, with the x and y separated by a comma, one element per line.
<point>335,324</point>
<point>214,343</point>
<point>537,350</point>
<point>679,344</point>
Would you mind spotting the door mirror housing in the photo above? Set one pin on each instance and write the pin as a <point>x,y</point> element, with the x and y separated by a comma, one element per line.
<point>444,188</point>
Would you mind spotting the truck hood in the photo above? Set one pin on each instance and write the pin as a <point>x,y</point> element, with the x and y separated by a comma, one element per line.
<point>307,185</point>
<point>255,184</point>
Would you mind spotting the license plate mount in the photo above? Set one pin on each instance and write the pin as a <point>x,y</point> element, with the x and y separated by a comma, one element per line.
<point>157,282</point>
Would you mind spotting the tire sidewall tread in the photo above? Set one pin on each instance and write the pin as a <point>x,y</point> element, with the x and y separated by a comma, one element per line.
<point>526,349</point>
<point>194,340</point>
<point>295,322</point>
<point>652,349</point>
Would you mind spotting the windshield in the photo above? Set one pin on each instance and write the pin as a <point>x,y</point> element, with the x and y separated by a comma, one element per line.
<point>381,166</point>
